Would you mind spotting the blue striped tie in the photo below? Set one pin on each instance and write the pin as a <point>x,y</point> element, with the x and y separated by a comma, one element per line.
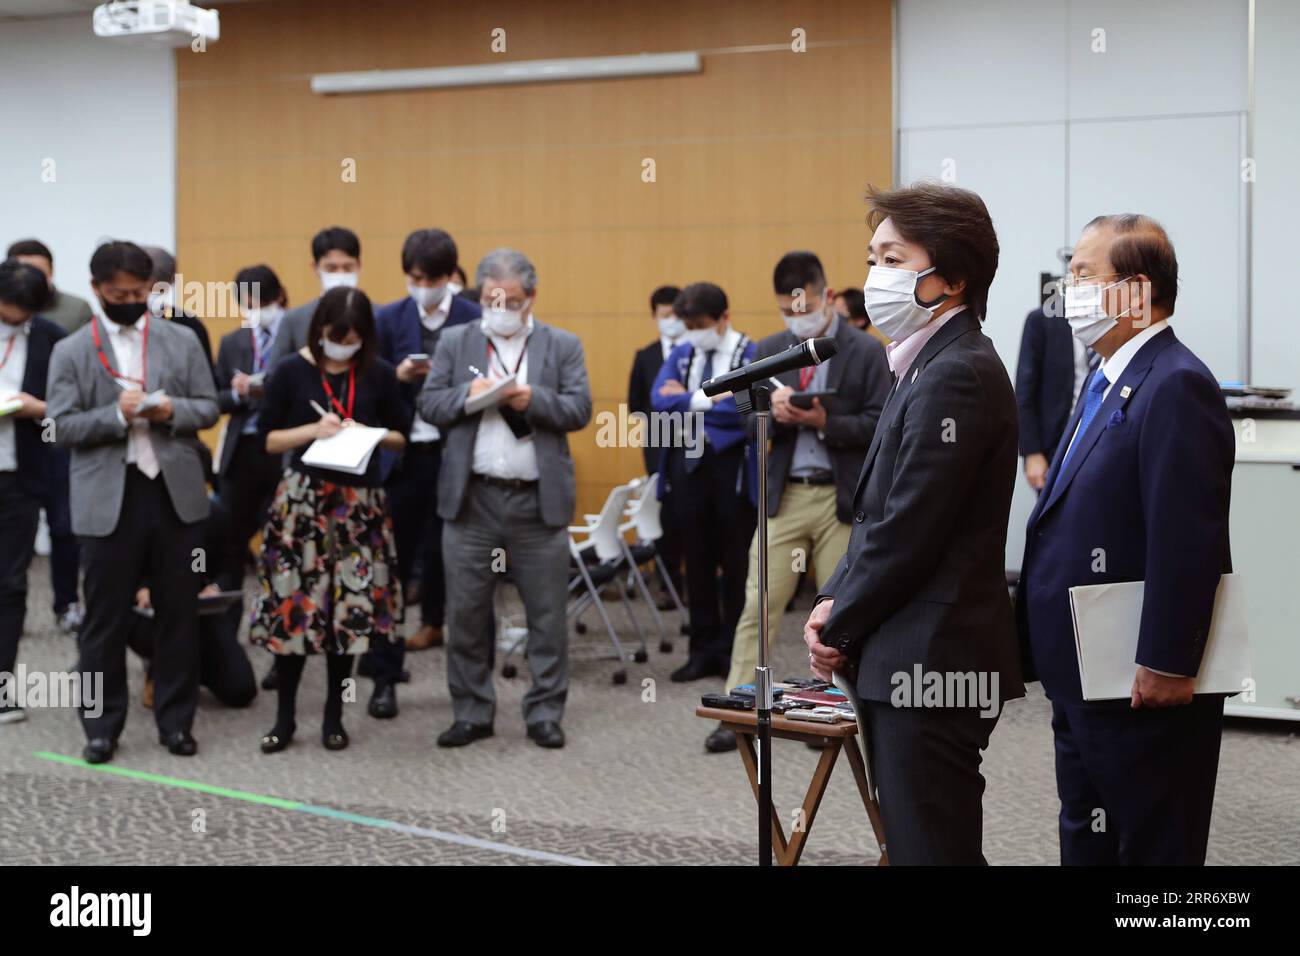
<point>1091,403</point>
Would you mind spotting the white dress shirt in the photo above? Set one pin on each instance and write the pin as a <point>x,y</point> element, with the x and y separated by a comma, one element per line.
<point>667,344</point>
<point>497,452</point>
<point>422,431</point>
<point>128,350</point>
<point>13,343</point>
<point>903,353</point>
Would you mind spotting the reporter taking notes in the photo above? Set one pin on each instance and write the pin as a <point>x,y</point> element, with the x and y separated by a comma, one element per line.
<point>1138,490</point>
<point>919,602</point>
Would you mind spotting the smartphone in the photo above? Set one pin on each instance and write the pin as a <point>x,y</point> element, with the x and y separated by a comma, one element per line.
<point>804,400</point>
<point>727,701</point>
<point>420,358</point>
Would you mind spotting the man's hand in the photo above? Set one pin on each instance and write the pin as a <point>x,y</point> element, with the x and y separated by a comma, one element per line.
<point>1156,690</point>
<point>672,387</point>
<point>32,407</point>
<point>210,590</point>
<point>1036,470</point>
<point>409,370</point>
<point>239,383</point>
<point>814,417</point>
<point>781,405</point>
<point>162,412</point>
<point>328,426</point>
<point>143,599</point>
<point>479,385</point>
<point>822,660</point>
<point>518,397</point>
<point>128,402</point>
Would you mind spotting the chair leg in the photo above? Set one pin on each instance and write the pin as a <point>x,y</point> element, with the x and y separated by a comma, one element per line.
<point>604,616</point>
<point>672,590</point>
<point>639,580</point>
<point>636,625</point>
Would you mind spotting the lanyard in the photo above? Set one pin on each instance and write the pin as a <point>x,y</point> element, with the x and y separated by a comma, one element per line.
<point>492,354</point>
<point>344,413</point>
<point>9,349</point>
<point>806,376</point>
<point>144,355</point>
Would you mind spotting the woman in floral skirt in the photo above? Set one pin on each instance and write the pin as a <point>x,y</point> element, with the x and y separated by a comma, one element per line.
<point>328,568</point>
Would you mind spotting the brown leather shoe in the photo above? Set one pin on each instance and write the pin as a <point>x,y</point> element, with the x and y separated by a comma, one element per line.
<point>146,695</point>
<point>426,636</point>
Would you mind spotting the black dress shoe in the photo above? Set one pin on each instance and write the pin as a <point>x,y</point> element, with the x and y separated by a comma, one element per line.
<point>463,732</point>
<point>337,740</point>
<point>99,750</point>
<point>179,743</point>
<point>696,670</point>
<point>721,741</point>
<point>276,740</point>
<point>546,733</point>
<point>383,702</point>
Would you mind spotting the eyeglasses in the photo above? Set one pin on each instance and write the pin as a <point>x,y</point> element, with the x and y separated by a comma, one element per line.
<point>1071,281</point>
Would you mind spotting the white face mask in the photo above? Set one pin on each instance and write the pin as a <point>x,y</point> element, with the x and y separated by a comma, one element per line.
<point>806,325</point>
<point>265,316</point>
<point>503,321</point>
<point>671,327</point>
<point>891,302</point>
<point>332,280</point>
<point>1085,310</point>
<point>337,351</point>
<point>705,340</point>
<point>425,297</point>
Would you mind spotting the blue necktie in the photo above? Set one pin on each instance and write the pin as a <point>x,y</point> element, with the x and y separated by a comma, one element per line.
<point>263,346</point>
<point>706,374</point>
<point>1091,403</point>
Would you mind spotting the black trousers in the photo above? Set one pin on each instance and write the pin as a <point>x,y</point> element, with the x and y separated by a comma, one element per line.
<point>247,488</point>
<point>417,535</point>
<point>926,762</point>
<point>149,543</point>
<point>1136,786</point>
<point>19,517</point>
<point>224,668</point>
<point>717,524</point>
<point>670,546</point>
<point>65,553</point>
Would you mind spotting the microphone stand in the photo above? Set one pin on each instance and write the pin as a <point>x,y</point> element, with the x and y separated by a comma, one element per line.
<point>758,399</point>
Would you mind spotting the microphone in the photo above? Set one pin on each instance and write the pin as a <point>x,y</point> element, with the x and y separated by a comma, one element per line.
<point>808,352</point>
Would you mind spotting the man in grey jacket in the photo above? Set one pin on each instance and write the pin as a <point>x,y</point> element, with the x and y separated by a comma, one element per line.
<point>128,396</point>
<point>506,492</point>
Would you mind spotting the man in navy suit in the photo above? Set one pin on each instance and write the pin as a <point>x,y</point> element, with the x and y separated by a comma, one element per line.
<point>708,475</point>
<point>26,458</point>
<point>411,326</point>
<point>1138,490</point>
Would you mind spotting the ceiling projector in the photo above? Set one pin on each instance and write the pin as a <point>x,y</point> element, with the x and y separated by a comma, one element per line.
<point>160,22</point>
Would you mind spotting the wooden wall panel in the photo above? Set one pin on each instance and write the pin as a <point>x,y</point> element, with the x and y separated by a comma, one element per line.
<point>763,151</point>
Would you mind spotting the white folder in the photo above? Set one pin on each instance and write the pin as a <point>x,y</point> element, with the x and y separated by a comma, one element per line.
<point>349,449</point>
<point>1107,619</point>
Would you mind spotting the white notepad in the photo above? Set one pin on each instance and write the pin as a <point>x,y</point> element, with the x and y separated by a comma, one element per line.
<point>489,398</point>
<point>348,450</point>
<point>1107,618</point>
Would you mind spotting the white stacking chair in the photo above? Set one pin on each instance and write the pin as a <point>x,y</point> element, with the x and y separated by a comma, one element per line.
<point>599,558</point>
<point>645,524</point>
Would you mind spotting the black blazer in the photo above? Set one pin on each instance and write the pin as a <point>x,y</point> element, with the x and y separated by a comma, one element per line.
<point>234,354</point>
<point>35,455</point>
<point>645,368</point>
<point>923,582</point>
<point>1044,382</point>
<point>859,372</point>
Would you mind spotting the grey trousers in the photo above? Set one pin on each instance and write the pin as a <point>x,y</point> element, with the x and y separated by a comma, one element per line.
<point>537,555</point>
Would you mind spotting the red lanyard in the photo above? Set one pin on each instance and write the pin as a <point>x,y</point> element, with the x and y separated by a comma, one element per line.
<point>259,360</point>
<point>9,349</point>
<point>344,413</point>
<point>144,355</point>
<point>492,354</point>
<point>806,376</point>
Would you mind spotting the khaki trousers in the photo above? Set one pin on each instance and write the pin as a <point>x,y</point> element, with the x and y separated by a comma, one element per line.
<point>803,531</point>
